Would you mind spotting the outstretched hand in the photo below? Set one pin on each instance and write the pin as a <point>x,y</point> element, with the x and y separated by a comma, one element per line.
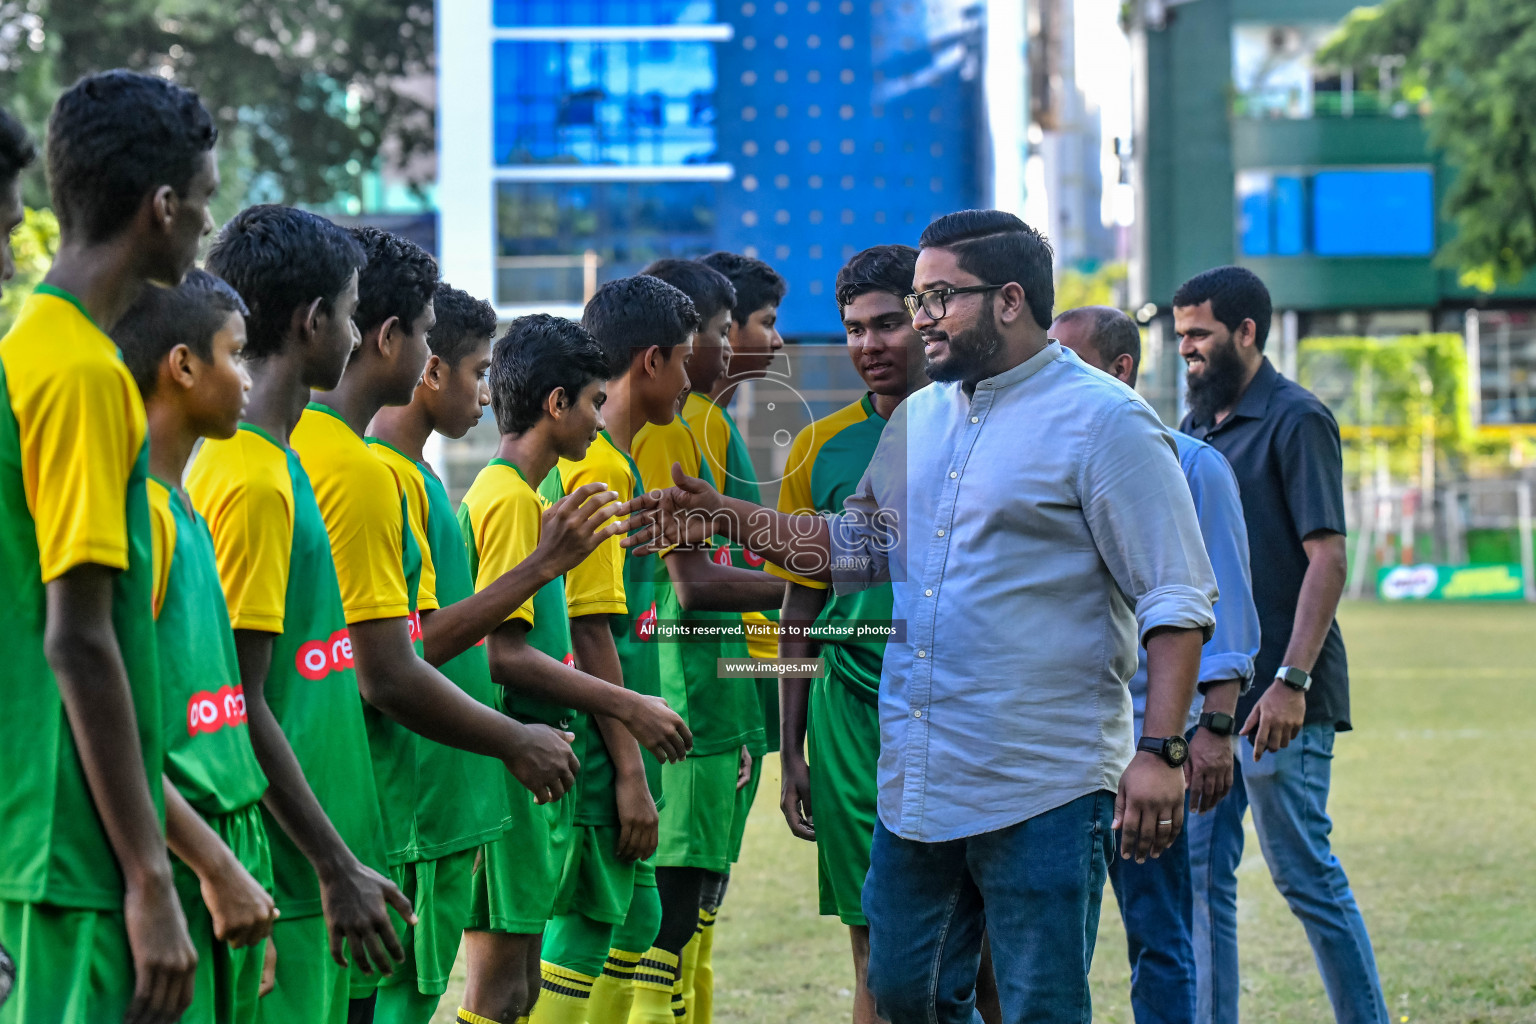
<point>676,516</point>
<point>577,524</point>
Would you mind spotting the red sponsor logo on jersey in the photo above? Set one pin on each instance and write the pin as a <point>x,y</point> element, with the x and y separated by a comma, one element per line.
<point>754,559</point>
<point>210,711</point>
<point>415,621</point>
<point>319,658</point>
<point>722,556</point>
<point>645,624</point>
<point>569,659</point>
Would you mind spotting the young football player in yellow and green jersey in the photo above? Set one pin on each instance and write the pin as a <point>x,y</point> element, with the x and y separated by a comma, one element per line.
<point>297,273</point>
<point>832,722</point>
<point>183,346</point>
<point>414,713</point>
<point>649,326</point>
<point>450,399</point>
<point>547,387</point>
<point>612,601</point>
<point>88,904</point>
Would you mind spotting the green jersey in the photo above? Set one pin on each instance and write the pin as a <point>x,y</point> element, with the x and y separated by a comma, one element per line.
<point>461,796</point>
<point>275,565</point>
<point>208,756</point>
<point>74,459</point>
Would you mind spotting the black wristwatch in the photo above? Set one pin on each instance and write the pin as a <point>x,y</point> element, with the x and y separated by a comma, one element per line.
<point>1172,749</point>
<point>1217,723</point>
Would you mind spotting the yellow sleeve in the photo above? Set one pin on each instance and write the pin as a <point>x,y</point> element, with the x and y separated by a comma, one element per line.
<point>507,531</point>
<point>248,504</point>
<point>656,448</point>
<point>367,528</point>
<point>80,428</point>
<point>596,586</point>
<point>162,530</point>
<point>416,514</point>
<point>795,496</point>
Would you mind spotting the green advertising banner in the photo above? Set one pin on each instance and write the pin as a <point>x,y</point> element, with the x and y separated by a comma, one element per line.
<point>1450,583</point>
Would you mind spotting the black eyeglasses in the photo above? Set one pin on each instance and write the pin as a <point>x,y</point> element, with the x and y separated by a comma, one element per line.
<point>935,301</point>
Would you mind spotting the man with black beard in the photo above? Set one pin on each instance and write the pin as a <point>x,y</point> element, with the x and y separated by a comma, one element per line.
<point>1032,520</point>
<point>1283,445</point>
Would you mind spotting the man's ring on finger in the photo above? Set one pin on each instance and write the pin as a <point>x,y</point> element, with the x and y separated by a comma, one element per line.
<point>1168,822</point>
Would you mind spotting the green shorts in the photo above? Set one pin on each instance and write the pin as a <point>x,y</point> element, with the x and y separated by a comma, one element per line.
<point>72,966</point>
<point>440,892</point>
<point>700,816</point>
<point>843,748</point>
<point>311,987</point>
<point>595,883</point>
<point>517,879</point>
<point>745,796</point>
<point>228,981</point>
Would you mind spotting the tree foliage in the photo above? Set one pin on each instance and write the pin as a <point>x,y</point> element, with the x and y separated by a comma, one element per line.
<point>33,245</point>
<point>1473,62</point>
<point>306,92</point>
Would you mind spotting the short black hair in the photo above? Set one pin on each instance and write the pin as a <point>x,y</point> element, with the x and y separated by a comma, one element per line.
<point>998,248</point>
<point>399,280</point>
<point>631,313</point>
<point>1112,333</point>
<point>757,284</point>
<point>880,268</point>
<point>537,354</point>
<point>710,290</point>
<point>189,314</point>
<point>115,137</point>
<point>280,258</point>
<point>463,321</point>
<point>16,149</point>
<point>1235,294</point>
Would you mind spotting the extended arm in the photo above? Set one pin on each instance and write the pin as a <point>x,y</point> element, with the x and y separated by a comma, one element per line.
<point>704,585</point>
<point>801,606</point>
<point>82,650</point>
<point>242,911</point>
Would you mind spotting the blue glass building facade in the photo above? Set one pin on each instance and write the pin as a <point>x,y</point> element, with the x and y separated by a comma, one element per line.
<point>799,132</point>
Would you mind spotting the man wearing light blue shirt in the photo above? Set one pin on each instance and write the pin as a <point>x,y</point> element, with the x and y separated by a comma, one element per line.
<point>1156,901</point>
<point>1031,517</point>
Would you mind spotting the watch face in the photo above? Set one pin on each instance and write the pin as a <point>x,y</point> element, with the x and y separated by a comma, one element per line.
<point>1177,750</point>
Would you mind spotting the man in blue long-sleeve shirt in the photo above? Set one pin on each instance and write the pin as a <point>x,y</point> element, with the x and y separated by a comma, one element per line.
<point>1031,518</point>
<point>1155,897</point>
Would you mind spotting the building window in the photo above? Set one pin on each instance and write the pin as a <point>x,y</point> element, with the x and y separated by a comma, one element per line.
<point>520,13</point>
<point>544,230</point>
<point>1343,213</point>
<point>604,102</point>
<point>1275,75</point>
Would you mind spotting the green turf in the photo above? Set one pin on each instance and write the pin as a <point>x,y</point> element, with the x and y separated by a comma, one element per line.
<point>1431,806</point>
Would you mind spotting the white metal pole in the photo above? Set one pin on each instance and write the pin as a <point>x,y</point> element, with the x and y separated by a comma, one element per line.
<point>1527,561</point>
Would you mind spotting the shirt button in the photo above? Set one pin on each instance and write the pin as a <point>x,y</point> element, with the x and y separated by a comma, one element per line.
<point>917,714</point>
<point>953,474</point>
<point>975,419</point>
<point>941,533</point>
<point>928,592</point>
<point>922,654</point>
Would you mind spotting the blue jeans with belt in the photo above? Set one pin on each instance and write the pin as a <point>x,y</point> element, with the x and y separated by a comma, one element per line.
<point>1035,888</point>
<point>1288,791</point>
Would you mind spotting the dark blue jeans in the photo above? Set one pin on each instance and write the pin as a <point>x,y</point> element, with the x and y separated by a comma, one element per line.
<point>1157,907</point>
<point>1288,792</point>
<point>1034,888</point>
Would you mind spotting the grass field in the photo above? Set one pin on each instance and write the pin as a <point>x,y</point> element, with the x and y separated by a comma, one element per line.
<point>1433,798</point>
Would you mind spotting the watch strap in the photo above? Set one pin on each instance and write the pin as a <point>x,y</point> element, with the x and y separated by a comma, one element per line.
<point>1218,723</point>
<point>1296,678</point>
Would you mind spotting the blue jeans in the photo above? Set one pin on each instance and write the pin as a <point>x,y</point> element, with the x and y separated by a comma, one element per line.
<point>1288,791</point>
<point>1034,888</point>
<point>1158,910</point>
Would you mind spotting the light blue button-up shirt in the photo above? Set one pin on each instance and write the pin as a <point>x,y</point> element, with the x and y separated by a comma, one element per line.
<point>1230,651</point>
<point>1032,534</point>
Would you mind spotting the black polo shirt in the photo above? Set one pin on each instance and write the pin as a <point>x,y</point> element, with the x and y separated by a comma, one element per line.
<point>1283,444</point>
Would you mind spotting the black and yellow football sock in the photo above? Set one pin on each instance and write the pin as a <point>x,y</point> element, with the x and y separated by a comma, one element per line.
<point>655,978</point>
<point>564,995</point>
<point>613,994</point>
